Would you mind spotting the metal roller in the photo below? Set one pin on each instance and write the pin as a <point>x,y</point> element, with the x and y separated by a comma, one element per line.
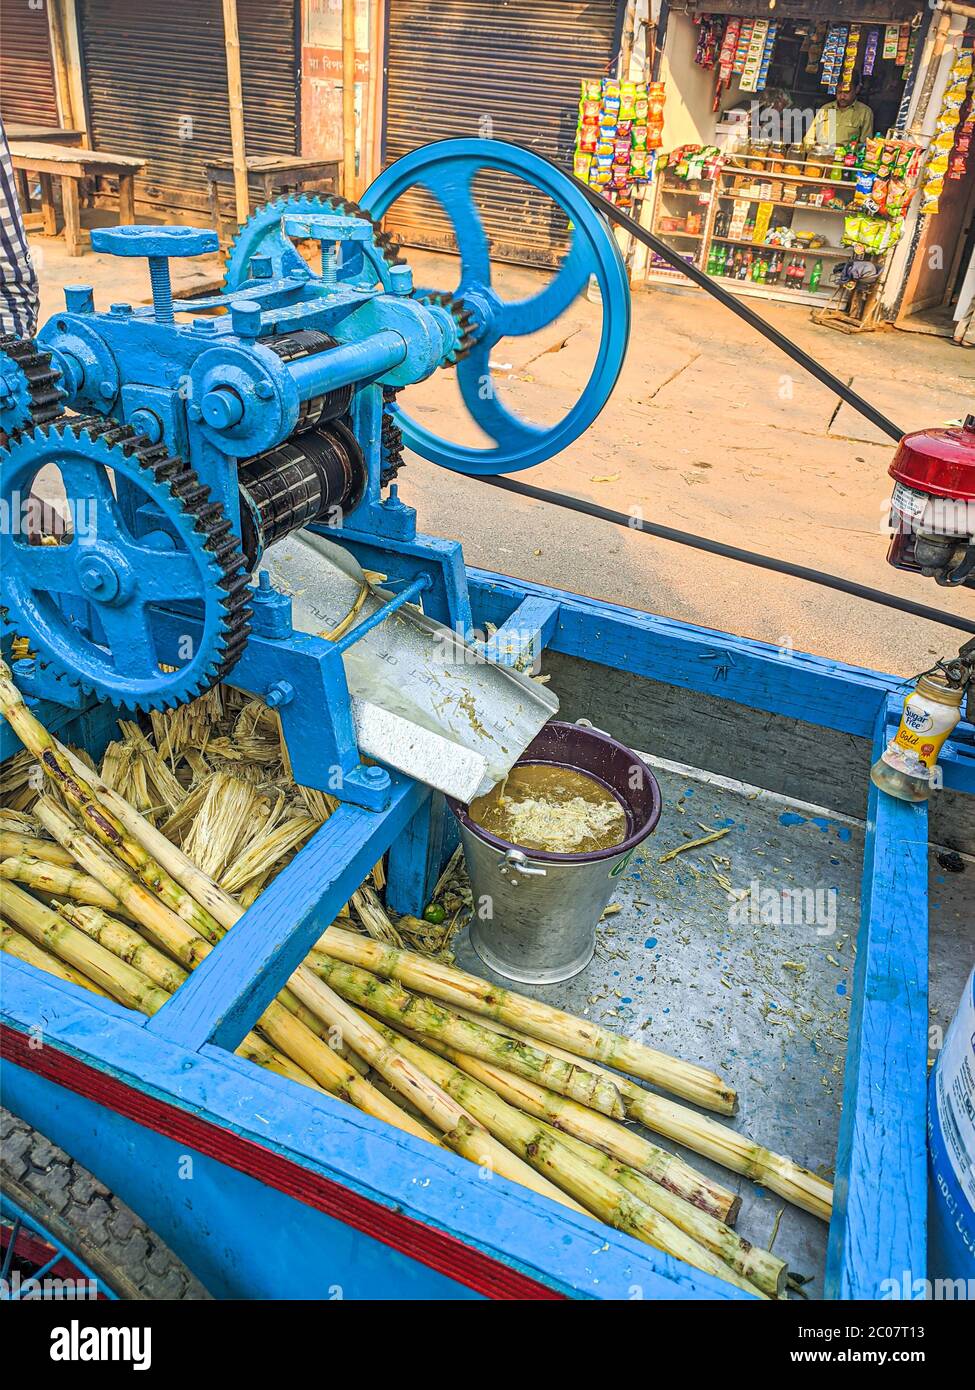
<point>307,342</point>
<point>318,476</point>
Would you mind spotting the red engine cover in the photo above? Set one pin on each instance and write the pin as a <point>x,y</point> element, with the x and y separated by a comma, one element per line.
<point>939,462</point>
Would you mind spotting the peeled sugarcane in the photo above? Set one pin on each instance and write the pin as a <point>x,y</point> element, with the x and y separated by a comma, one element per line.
<point>588,1125</point>
<point>60,880</point>
<point>398,1006</point>
<point>126,943</point>
<point>538,1020</point>
<point>176,936</point>
<point>734,1151</point>
<point>567,1163</point>
<point>760,1267</point>
<point>93,965</point>
<point>14,842</point>
<point>22,948</point>
<point>459,1129</point>
<point>50,931</point>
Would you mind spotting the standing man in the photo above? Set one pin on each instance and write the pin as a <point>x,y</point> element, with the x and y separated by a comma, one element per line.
<point>842,121</point>
<point>18,280</point>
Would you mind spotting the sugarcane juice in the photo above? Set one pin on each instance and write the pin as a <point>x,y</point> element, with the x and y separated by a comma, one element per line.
<point>559,809</point>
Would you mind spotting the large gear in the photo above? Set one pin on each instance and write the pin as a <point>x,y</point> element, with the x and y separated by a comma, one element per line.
<point>261,235</point>
<point>29,391</point>
<point>91,605</point>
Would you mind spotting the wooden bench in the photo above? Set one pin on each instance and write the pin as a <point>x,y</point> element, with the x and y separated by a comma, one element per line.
<point>273,174</point>
<point>71,165</point>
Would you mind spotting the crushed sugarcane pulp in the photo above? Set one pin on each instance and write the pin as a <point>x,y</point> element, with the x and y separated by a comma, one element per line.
<point>558,809</point>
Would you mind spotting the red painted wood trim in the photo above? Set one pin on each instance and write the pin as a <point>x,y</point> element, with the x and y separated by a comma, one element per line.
<point>444,1253</point>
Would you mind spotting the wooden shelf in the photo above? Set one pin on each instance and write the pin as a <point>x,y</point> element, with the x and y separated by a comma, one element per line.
<point>735,169</point>
<point>693,236</point>
<point>781,203</point>
<point>839,251</point>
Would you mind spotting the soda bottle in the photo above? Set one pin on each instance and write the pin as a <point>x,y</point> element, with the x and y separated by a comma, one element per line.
<point>774,269</point>
<point>817,275</point>
<point>762,270</point>
<point>746,267</point>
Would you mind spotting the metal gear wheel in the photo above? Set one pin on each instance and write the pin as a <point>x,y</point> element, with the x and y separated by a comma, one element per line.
<point>142,546</point>
<point>262,235</point>
<point>29,391</point>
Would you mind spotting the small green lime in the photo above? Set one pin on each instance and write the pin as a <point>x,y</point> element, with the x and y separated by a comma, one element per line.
<point>434,913</point>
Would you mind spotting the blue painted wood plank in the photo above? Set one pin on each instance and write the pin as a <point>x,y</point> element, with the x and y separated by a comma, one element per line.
<point>878,1231</point>
<point>568,1251</point>
<point>418,855</point>
<point>812,688</point>
<point>522,636</point>
<point>230,989</point>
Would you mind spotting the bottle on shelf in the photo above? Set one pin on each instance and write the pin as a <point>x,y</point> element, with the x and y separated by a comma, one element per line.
<point>816,275</point>
<point>745,273</point>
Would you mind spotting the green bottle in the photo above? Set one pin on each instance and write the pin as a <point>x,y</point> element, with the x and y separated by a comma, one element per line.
<point>816,276</point>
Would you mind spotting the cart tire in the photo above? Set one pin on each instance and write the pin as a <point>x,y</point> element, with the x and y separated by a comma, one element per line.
<point>80,1212</point>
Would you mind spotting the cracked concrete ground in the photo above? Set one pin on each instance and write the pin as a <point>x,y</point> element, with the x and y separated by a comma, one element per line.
<point>710,429</point>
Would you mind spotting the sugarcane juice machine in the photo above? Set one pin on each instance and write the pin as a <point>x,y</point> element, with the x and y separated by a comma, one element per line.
<point>192,436</point>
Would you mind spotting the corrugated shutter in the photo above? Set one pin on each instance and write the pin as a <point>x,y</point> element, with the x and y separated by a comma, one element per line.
<point>26,70</point>
<point>453,66</point>
<point>156,80</point>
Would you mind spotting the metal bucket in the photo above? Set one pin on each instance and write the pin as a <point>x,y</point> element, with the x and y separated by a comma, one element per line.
<point>535,912</point>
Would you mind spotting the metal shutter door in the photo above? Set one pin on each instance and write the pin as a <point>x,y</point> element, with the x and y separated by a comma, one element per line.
<point>156,79</point>
<point>26,70</point>
<point>453,64</point>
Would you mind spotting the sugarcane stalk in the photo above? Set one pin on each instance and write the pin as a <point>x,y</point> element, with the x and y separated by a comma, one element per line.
<point>126,943</point>
<point>579,1036</point>
<point>116,977</point>
<point>50,931</point>
<point>172,932</point>
<point>77,791</point>
<point>175,935</point>
<point>168,856</point>
<point>13,842</point>
<point>57,879</point>
<point>567,1164</point>
<point>588,1125</point>
<point>459,1129</point>
<point>22,948</point>
<point>707,1137</point>
<point>759,1267</point>
<point>420,1015</point>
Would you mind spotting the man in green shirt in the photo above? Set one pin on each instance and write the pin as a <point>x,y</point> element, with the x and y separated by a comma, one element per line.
<point>842,121</point>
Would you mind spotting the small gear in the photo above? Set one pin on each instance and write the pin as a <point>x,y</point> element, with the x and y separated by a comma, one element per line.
<point>89,605</point>
<point>391,441</point>
<point>462,317</point>
<point>30,391</point>
<point>261,235</point>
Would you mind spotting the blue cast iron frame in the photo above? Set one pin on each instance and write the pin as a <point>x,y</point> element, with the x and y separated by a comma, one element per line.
<point>337,1201</point>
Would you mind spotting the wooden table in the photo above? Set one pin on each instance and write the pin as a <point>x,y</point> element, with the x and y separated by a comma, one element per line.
<point>17,130</point>
<point>273,174</point>
<point>71,165</point>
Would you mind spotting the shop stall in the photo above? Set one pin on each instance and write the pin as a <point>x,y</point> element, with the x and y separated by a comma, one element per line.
<point>777,188</point>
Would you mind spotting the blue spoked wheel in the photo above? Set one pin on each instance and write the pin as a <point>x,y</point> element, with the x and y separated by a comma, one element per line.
<point>447,170</point>
<point>135,537</point>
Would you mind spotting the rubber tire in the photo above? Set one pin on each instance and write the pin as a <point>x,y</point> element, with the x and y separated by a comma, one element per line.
<point>87,1219</point>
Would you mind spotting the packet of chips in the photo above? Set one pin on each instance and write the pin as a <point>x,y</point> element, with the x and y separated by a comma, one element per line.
<point>581,164</point>
<point>639,136</point>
